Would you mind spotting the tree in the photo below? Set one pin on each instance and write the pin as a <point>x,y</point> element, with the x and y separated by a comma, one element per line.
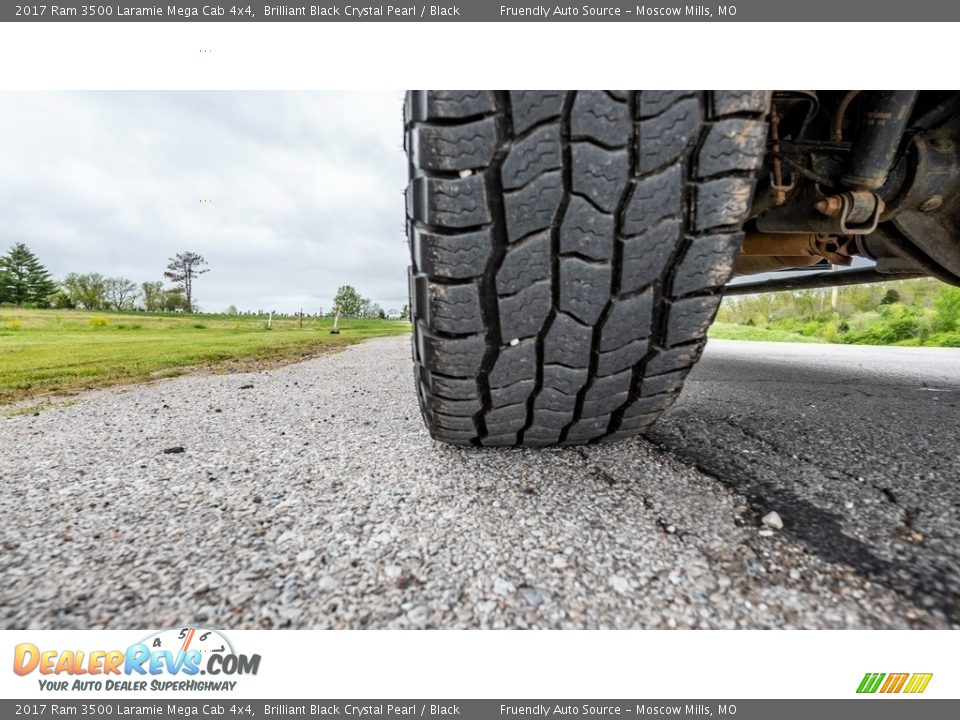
<point>405,313</point>
<point>23,279</point>
<point>88,291</point>
<point>231,310</point>
<point>153,296</point>
<point>174,300</point>
<point>182,271</point>
<point>348,300</point>
<point>890,297</point>
<point>121,292</point>
<point>947,307</point>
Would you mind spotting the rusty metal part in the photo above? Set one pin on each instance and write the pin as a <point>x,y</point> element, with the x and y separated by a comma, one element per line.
<point>829,206</point>
<point>816,280</point>
<point>763,252</point>
<point>836,130</point>
<point>778,190</point>
<point>850,213</point>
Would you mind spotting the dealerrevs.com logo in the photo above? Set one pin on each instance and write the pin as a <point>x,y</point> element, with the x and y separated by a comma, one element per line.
<point>889,683</point>
<point>168,660</point>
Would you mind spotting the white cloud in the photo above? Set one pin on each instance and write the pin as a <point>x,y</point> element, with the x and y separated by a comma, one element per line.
<point>306,190</point>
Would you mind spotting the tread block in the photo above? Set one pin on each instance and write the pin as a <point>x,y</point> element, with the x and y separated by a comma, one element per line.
<point>513,414</point>
<point>555,401</point>
<point>638,423</point>
<point>707,264</point>
<point>450,308</point>
<point>532,156</point>
<point>621,358</point>
<point>525,263</point>
<point>530,107</point>
<point>454,422</point>
<point>567,380</point>
<point>645,256</point>
<point>515,363</point>
<point>597,115</point>
<point>664,138</point>
<point>541,437</point>
<point>518,392</point>
<point>666,383</point>
<point>688,319</point>
<point>534,206</point>
<point>654,102</point>
<point>732,145</point>
<point>628,320</point>
<point>456,257</point>
<point>452,437</point>
<point>726,102</point>
<point>567,342</point>
<point>459,408</point>
<point>600,174</point>
<point>605,404</point>
<point>584,288</point>
<point>452,388</point>
<point>653,199</point>
<point>587,231</point>
<point>504,440</point>
<point>454,147</point>
<point>586,429</point>
<point>457,357</point>
<point>544,418</point>
<point>649,405</point>
<point>664,361</point>
<point>448,202</point>
<point>607,387</point>
<point>724,201</point>
<point>523,314</point>
<point>421,105</point>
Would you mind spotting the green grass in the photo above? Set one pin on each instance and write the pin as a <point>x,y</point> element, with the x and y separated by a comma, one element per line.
<point>731,331</point>
<point>46,352</point>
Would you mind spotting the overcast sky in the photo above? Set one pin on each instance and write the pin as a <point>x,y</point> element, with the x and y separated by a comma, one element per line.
<point>305,190</point>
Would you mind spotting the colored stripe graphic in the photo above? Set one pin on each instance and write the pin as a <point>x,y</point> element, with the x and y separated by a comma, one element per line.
<point>918,682</point>
<point>894,683</point>
<point>870,682</point>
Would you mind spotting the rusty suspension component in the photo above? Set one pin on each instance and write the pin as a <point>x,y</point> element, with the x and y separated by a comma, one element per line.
<point>764,252</point>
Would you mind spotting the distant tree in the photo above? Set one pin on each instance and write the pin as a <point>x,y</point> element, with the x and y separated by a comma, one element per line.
<point>174,300</point>
<point>88,291</point>
<point>405,313</point>
<point>23,279</point>
<point>348,300</point>
<point>370,309</point>
<point>947,308</point>
<point>890,297</point>
<point>231,310</point>
<point>182,271</point>
<point>153,296</point>
<point>61,301</point>
<point>121,292</point>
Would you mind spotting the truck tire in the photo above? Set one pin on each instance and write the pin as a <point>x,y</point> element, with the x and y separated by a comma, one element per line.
<point>569,251</point>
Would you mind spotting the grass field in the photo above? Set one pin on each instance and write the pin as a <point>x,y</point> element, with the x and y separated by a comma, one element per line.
<point>46,352</point>
<point>732,331</point>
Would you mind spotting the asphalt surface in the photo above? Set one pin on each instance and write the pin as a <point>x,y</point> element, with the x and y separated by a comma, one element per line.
<point>311,496</point>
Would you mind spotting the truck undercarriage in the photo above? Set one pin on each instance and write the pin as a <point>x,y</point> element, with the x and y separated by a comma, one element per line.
<point>856,174</point>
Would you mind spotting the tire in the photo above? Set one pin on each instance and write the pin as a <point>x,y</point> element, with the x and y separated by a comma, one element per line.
<point>569,252</point>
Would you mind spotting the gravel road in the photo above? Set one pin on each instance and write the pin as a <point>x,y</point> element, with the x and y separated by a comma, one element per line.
<point>311,496</point>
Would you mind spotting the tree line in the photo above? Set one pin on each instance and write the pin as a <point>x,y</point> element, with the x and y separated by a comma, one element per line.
<point>24,281</point>
<point>922,311</point>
